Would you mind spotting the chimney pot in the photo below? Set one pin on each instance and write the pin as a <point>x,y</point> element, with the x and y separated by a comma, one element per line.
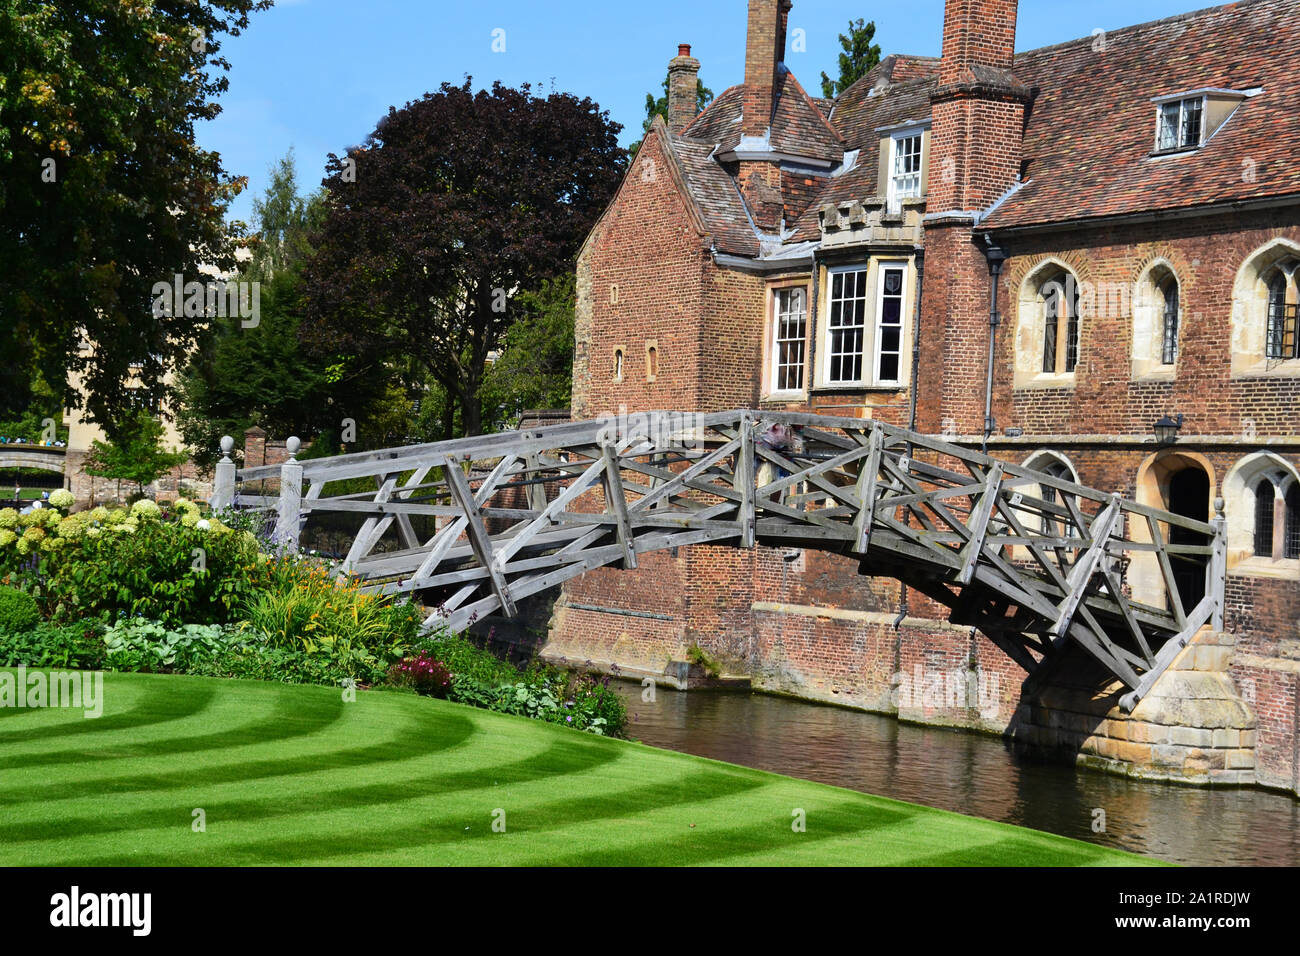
<point>683,88</point>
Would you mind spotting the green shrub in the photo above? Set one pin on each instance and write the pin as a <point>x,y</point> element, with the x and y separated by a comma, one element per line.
<point>53,645</point>
<point>261,662</point>
<point>18,610</point>
<point>302,608</point>
<point>114,563</point>
<point>137,644</point>
<point>541,692</point>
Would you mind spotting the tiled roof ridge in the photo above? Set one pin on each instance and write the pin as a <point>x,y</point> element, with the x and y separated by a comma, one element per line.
<point>1162,21</point>
<point>886,67</point>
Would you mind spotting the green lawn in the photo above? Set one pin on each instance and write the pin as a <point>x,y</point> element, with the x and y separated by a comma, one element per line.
<point>294,775</point>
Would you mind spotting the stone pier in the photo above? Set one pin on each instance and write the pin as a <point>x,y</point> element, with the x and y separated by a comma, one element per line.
<point>1192,727</point>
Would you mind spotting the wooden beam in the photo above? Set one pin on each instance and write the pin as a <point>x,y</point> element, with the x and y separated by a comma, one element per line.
<point>479,538</point>
<point>616,502</point>
<point>1083,570</point>
<point>868,478</point>
<point>979,523</point>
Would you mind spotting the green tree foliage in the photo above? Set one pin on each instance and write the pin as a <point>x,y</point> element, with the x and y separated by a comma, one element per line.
<point>266,375</point>
<point>103,189</point>
<point>42,403</point>
<point>456,203</point>
<point>535,367</point>
<point>285,221</point>
<point>859,58</point>
<point>137,454</point>
<point>659,107</point>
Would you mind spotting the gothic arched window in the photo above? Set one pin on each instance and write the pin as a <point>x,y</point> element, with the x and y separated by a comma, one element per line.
<point>1060,295</point>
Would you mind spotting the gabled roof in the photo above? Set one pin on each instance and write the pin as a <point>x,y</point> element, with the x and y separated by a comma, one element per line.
<point>1092,125</point>
<point>798,126</point>
<point>718,118</point>
<point>715,195</point>
<point>859,118</point>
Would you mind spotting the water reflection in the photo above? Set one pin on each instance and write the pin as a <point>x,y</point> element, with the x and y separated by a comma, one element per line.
<point>971,774</point>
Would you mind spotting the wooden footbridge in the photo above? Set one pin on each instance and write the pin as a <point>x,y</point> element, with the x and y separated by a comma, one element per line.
<point>1030,560</point>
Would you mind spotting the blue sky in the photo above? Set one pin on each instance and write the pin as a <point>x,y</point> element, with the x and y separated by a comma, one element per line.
<point>316,75</point>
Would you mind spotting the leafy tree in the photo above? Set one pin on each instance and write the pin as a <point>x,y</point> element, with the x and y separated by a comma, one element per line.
<point>535,367</point>
<point>455,204</point>
<point>659,107</point>
<point>137,453</point>
<point>285,221</point>
<point>265,375</point>
<point>103,189</point>
<point>859,58</point>
<point>43,402</point>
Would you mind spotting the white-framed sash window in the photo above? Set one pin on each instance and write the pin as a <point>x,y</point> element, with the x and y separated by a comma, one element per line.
<point>904,168</point>
<point>789,340</point>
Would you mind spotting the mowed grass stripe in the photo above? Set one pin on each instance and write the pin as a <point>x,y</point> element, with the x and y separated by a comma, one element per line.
<point>161,705</point>
<point>308,811</point>
<point>416,735</point>
<point>284,719</point>
<point>405,780</point>
<point>310,799</point>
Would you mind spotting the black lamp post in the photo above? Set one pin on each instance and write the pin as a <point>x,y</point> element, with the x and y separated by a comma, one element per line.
<point>995,256</point>
<point>1167,429</point>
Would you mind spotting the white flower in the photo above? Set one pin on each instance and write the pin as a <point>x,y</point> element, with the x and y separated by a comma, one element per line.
<point>62,498</point>
<point>202,524</point>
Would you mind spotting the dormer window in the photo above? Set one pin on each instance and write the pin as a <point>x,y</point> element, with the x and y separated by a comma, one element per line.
<point>1181,124</point>
<point>1187,121</point>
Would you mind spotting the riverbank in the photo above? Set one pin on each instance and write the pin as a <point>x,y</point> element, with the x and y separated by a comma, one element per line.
<point>224,772</point>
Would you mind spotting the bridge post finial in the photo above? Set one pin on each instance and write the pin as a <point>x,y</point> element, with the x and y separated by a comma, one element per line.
<point>223,478</point>
<point>1217,572</point>
<point>289,518</point>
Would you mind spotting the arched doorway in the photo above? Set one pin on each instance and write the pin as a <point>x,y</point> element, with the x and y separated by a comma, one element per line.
<point>1189,496</point>
<point>1182,482</point>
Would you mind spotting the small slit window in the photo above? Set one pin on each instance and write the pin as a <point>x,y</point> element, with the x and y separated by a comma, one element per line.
<point>618,365</point>
<point>1291,546</point>
<point>651,362</point>
<point>1169,325</point>
<point>1060,296</point>
<point>1265,495</point>
<point>1281,340</point>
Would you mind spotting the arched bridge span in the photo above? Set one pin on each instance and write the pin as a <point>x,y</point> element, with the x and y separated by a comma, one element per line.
<point>1033,561</point>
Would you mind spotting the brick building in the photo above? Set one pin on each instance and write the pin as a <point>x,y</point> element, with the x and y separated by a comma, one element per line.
<point>1128,204</point>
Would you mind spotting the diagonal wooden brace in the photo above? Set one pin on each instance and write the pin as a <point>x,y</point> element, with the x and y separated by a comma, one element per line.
<point>1083,570</point>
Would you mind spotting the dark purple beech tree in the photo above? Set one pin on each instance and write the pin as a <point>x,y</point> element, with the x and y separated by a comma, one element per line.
<point>456,204</point>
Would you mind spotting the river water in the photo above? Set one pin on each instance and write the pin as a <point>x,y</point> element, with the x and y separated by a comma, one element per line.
<point>974,774</point>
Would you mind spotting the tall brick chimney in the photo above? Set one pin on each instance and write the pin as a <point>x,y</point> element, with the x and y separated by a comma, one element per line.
<point>683,86</point>
<point>764,54</point>
<point>978,109</point>
<point>977,130</point>
<point>977,33</point>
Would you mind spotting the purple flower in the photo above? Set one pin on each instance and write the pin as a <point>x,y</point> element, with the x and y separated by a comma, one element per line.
<point>569,719</point>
